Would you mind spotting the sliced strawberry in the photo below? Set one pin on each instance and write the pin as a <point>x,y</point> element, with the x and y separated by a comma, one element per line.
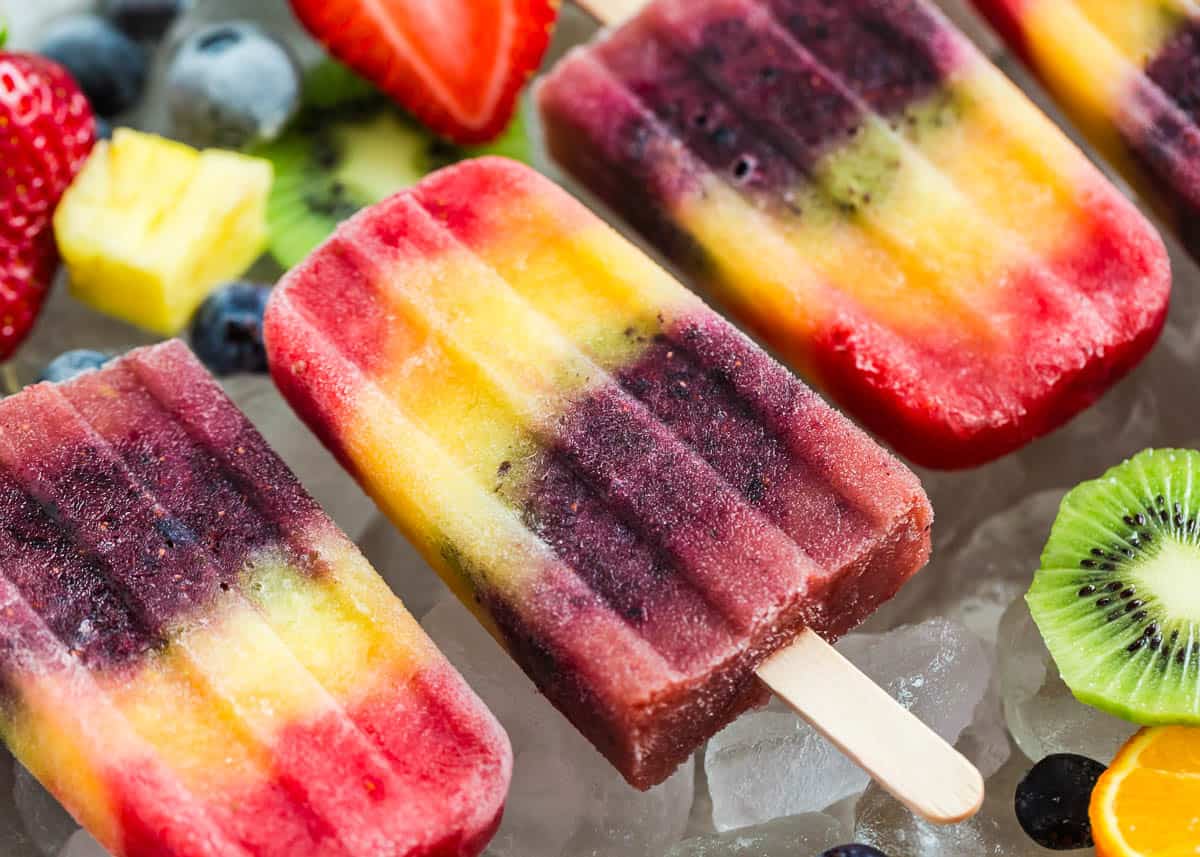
<point>457,65</point>
<point>46,132</point>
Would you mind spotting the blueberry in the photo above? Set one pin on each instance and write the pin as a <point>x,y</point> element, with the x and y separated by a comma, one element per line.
<point>67,365</point>
<point>144,19</point>
<point>107,65</point>
<point>1052,801</point>
<point>227,330</point>
<point>231,85</point>
<point>104,129</point>
<point>854,851</point>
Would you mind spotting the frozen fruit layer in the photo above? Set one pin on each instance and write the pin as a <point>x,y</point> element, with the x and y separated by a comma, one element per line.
<point>200,663</point>
<point>635,499</point>
<point>868,194</point>
<point>1129,73</point>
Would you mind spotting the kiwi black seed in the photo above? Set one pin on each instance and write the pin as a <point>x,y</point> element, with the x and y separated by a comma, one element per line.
<point>1117,597</point>
<point>350,148</point>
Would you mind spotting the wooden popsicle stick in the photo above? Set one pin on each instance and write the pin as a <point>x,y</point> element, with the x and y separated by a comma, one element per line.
<point>907,758</point>
<point>610,11</point>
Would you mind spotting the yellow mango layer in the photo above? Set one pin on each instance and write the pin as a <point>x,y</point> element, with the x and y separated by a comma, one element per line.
<point>1090,72</point>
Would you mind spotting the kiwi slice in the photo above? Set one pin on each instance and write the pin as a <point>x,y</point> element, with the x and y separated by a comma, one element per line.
<point>349,148</point>
<point>1117,597</point>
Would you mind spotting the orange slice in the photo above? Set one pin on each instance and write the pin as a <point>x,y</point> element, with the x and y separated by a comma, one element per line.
<point>1148,802</point>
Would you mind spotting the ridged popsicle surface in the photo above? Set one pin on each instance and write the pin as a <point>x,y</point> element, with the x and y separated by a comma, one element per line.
<point>863,190</point>
<point>196,661</point>
<point>635,499</point>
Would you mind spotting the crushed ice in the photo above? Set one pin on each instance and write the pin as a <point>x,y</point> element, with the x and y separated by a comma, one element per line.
<point>566,801</point>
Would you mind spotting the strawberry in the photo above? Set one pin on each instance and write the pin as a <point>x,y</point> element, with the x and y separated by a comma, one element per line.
<point>457,65</point>
<point>46,132</point>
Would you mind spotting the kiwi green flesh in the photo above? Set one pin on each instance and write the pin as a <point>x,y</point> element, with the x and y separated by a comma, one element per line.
<point>335,161</point>
<point>329,84</point>
<point>1117,597</point>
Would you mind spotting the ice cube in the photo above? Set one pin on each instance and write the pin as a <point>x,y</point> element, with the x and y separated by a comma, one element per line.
<point>843,812</point>
<point>405,570</point>
<point>1121,424</point>
<point>700,819</point>
<point>45,820</point>
<point>566,799</point>
<point>994,565</point>
<point>83,845</point>
<point>623,822</point>
<point>961,502</point>
<point>316,468</point>
<point>787,837</point>
<point>15,840</point>
<point>936,669</point>
<point>770,764</point>
<point>985,742</point>
<point>1169,370</point>
<point>1041,713</point>
<point>891,828</point>
<point>994,832</point>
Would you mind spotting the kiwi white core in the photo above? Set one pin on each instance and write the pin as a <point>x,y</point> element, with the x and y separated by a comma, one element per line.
<point>1170,575</point>
<point>387,156</point>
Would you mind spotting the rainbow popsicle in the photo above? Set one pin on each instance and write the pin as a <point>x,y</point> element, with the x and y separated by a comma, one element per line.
<point>193,658</point>
<point>862,189</point>
<point>634,499</point>
<point>1129,73</point>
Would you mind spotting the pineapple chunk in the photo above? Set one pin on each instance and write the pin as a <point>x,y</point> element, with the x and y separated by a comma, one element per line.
<point>151,226</point>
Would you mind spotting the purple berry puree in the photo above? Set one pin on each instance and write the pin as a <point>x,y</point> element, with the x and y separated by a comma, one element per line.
<point>761,91</point>
<point>687,380</point>
<point>891,53</point>
<point>70,591</point>
<point>666,82</point>
<point>607,138</point>
<point>121,522</point>
<point>204,505</point>
<point>1176,69</point>
<point>148,558</point>
<point>703,496</point>
<point>633,575</point>
<point>185,389</point>
<point>752,94</point>
<point>1165,139</point>
<point>719,543</point>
